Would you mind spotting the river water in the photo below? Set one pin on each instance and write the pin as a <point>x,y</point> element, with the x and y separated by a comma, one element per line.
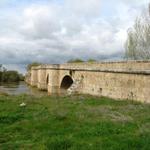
<point>20,88</point>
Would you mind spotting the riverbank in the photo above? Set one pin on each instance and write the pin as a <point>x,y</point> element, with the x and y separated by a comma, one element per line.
<point>73,122</point>
<point>17,88</point>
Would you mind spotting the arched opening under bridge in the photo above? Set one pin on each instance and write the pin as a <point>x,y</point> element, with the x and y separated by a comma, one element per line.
<point>66,83</point>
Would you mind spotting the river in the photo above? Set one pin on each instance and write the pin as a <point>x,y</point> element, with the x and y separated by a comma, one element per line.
<point>20,88</point>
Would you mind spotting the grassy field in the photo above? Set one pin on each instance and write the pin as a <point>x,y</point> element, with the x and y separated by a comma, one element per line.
<point>73,123</point>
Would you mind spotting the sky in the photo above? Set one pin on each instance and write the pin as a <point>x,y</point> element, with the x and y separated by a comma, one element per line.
<point>55,31</point>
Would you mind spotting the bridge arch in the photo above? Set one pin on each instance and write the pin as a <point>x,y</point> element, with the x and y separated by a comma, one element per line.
<point>66,82</point>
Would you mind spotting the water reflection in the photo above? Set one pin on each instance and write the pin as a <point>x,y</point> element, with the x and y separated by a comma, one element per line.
<point>20,88</point>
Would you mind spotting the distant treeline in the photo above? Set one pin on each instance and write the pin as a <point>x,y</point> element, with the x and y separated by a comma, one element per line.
<point>78,60</point>
<point>10,76</point>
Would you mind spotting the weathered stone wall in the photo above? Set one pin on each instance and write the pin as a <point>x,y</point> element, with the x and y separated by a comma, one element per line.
<point>122,65</point>
<point>34,77</point>
<point>42,79</point>
<point>53,85</point>
<point>119,80</point>
<point>116,85</point>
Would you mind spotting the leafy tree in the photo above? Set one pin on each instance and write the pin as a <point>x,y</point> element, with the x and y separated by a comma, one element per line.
<point>10,76</point>
<point>0,76</point>
<point>1,72</point>
<point>138,41</point>
<point>1,67</point>
<point>29,66</point>
<point>21,77</point>
<point>77,60</point>
<point>91,60</point>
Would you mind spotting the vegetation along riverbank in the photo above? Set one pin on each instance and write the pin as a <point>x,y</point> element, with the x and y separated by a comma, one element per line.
<point>9,75</point>
<point>73,123</point>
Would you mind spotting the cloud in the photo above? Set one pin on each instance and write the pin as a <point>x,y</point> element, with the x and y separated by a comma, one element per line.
<point>53,32</point>
<point>83,8</point>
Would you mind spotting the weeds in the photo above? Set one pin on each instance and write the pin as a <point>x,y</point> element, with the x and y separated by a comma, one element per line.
<point>73,123</point>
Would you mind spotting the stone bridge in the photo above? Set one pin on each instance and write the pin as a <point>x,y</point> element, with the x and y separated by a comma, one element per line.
<point>118,80</point>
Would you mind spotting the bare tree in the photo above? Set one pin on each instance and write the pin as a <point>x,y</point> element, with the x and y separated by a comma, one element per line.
<point>138,41</point>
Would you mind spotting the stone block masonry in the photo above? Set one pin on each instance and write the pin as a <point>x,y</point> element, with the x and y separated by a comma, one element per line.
<point>118,80</point>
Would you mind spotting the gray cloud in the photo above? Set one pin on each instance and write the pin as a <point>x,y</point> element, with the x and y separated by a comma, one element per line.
<point>54,33</point>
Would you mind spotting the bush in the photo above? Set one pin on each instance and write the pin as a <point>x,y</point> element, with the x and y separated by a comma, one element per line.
<point>75,61</point>
<point>91,60</point>
<point>10,76</point>
<point>32,65</point>
<point>1,73</point>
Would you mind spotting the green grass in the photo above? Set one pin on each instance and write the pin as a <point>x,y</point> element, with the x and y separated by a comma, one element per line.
<point>73,123</point>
